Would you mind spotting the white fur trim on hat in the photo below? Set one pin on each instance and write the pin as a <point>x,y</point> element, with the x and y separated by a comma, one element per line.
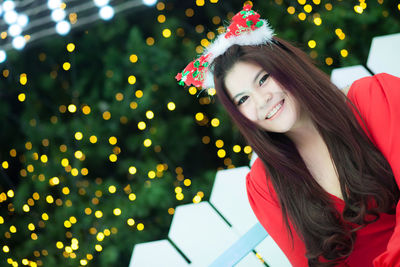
<point>258,36</point>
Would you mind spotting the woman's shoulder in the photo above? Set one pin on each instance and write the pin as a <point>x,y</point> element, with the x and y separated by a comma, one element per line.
<point>258,182</point>
<point>367,86</point>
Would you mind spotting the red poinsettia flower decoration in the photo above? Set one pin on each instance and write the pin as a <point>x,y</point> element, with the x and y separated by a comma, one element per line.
<point>245,21</point>
<point>194,73</point>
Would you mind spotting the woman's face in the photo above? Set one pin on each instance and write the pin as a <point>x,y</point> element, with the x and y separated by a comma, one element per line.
<point>261,99</point>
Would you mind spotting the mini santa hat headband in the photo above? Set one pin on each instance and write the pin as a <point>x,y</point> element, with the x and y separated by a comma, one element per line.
<point>246,28</point>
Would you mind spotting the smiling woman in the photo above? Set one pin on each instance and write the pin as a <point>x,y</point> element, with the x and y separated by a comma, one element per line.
<point>261,99</point>
<point>328,166</point>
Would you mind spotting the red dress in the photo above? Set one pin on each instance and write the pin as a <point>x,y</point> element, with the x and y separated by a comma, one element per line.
<point>377,244</point>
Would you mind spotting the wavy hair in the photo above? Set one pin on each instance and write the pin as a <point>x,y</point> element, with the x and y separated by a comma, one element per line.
<point>364,173</point>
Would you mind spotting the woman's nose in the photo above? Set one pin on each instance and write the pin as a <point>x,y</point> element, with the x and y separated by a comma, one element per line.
<point>261,100</point>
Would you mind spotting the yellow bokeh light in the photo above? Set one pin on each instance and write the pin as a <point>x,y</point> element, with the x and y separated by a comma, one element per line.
<point>49,199</point>
<point>139,93</point>
<point>291,10</point>
<point>88,211</point>
<point>328,61</point>
<point>312,43</point>
<point>133,58</point>
<point>166,33</point>
<point>178,190</point>
<point>317,2</point>
<point>117,212</point>
<point>113,158</point>
<point>86,110</point>
<point>25,208</point>
<point>302,16</point>
<point>236,148</point>
<point>112,189</point>
<point>98,214</point>
<point>130,222</point>
<point>301,2</point>
<point>4,164</point>
<point>215,122</point>
<point>344,53</point>
<point>160,6</point>
<point>23,79</point>
<point>83,262</point>
<point>219,143</point>
<point>142,125</point>
<point>171,106</point>
<point>31,227</point>
<point>21,97</point>
<point>161,18</point>
<point>54,181</point>
<point>196,199</point>
<point>45,217</point>
<point>210,35</point>
<point>67,224</point>
<point>78,136</point>
<point>221,153</point>
<point>187,182</point>
<point>64,162</point>
<point>131,79</point>
<point>317,21</point>
<point>147,142</point>
<point>112,140</point>
<point>151,174</point>
<point>100,237</point>
<point>6,249</point>
<point>149,114</point>
<point>328,6</point>
<point>189,12</point>
<point>192,90</point>
<point>204,42</point>
<point>247,149</point>
<point>72,108</point>
<point>180,196</point>
<point>93,139</point>
<point>211,91</point>
<point>70,47</point>
<point>150,41</point>
<point>78,154</point>
<point>10,193</point>
<point>132,170</point>
<point>199,116</point>
<point>59,245</point>
<point>13,229</point>
<point>200,2</point>
<point>358,9</point>
<point>98,247</point>
<point>140,226</point>
<point>119,96</point>
<point>66,66</point>
<point>73,219</point>
<point>132,196</point>
<point>308,8</point>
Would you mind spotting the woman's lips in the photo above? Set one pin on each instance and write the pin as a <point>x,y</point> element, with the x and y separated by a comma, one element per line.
<point>280,109</point>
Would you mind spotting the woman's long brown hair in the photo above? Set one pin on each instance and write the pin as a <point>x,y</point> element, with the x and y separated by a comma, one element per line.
<point>364,173</point>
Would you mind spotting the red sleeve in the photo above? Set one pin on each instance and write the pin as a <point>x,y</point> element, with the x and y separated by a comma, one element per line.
<point>268,212</point>
<point>378,99</point>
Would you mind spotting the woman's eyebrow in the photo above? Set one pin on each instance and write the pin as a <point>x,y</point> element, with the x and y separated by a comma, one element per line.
<point>258,74</point>
<point>254,81</point>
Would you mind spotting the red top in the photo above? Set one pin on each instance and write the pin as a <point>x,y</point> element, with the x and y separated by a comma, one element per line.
<point>377,244</point>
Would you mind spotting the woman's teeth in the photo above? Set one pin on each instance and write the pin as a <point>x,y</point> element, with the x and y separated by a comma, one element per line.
<point>275,110</point>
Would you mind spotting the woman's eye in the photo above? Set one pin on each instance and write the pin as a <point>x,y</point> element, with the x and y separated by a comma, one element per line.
<point>263,79</point>
<point>242,100</point>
